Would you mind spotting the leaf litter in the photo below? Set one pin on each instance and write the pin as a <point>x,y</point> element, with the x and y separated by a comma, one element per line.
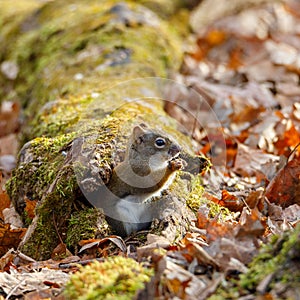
<point>246,66</point>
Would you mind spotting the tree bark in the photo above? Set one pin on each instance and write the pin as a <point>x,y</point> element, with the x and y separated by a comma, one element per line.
<point>77,67</point>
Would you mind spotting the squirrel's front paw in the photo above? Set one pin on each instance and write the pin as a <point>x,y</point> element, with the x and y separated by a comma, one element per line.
<point>176,164</point>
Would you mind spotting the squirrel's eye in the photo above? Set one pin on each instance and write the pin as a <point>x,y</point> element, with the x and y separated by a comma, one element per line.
<point>160,142</point>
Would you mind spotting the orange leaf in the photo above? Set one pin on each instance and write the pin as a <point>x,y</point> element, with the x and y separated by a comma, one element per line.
<point>290,140</point>
<point>215,230</point>
<point>30,208</point>
<point>215,37</point>
<point>230,201</point>
<point>9,238</point>
<point>235,58</point>
<point>4,202</point>
<point>201,220</point>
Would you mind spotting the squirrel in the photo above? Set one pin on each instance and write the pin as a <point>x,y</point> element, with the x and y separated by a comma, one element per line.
<point>150,163</point>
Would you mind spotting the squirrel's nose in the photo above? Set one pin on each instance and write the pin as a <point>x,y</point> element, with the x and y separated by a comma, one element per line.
<point>174,149</point>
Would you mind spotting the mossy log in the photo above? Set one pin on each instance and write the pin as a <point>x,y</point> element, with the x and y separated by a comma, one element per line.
<point>76,66</point>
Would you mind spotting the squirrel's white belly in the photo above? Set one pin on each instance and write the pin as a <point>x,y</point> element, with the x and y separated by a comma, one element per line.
<point>132,213</point>
<point>133,210</point>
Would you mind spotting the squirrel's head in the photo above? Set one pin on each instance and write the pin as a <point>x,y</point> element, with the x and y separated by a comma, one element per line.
<point>147,145</point>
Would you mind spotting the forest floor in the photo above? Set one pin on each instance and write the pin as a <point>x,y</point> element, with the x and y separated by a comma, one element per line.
<point>245,69</point>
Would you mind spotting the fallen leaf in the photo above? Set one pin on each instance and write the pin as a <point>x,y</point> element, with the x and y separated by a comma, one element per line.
<point>9,144</point>
<point>7,163</point>
<point>216,230</point>
<point>202,217</point>
<point>251,223</point>
<point>45,294</point>
<point>10,238</point>
<point>153,242</point>
<point>6,259</point>
<point>95,243</point>
<point>11,217</point>
<point>284,54</point>
<point>256,199</point>
<point>10,283</point>
<point>60,251</point>
<point>230,201</point>
<point>30,207</point>
<point>292,214</point>
<point>284,189</point>
<point>289,140</point>
<point>4,201</point>
<point>202,256</point>
<point>250,162</point>
<point>182,283</point>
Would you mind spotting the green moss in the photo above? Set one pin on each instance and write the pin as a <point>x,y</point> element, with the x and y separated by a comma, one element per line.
<point>46,157</point>
<point>275,257</point>
<point>115,278</point>
<point>164,8</point>
<point>195,199</point>
<point>280,257</point>
<point>53,212</point>
<point>84,225</point>
<point>43,242</point>
<point>48,50</point>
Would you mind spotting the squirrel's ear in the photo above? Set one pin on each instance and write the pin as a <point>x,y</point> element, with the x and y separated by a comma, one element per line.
<point>138,130</point>
<point>143,125</point>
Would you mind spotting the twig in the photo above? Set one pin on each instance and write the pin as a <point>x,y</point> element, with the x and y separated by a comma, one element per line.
<point>292,152</point>
<point>14,289</point>
<point>56,229</point>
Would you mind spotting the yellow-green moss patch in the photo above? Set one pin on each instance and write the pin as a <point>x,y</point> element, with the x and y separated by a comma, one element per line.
<point>117,278</point>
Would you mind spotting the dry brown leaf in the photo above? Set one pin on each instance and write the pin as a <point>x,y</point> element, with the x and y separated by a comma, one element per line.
<point>153,242</point>
<point>256,199</point>
<point>60,251</point>
<point>230,201</point>
<point>6,260</point>
<point>252,162</point>
<point>181,283</point>
<point>45,294</point>
<point>11,217</point>
<point>202,219</point>
<point>202,256</point>
<point>284,189</point>
<point>4,201</point>
<point>10,238</point>
<point>96,243</point>
<point>10,283</point>
<point>292,214</point>
<point>251,223</point>
<point>30,207</point>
